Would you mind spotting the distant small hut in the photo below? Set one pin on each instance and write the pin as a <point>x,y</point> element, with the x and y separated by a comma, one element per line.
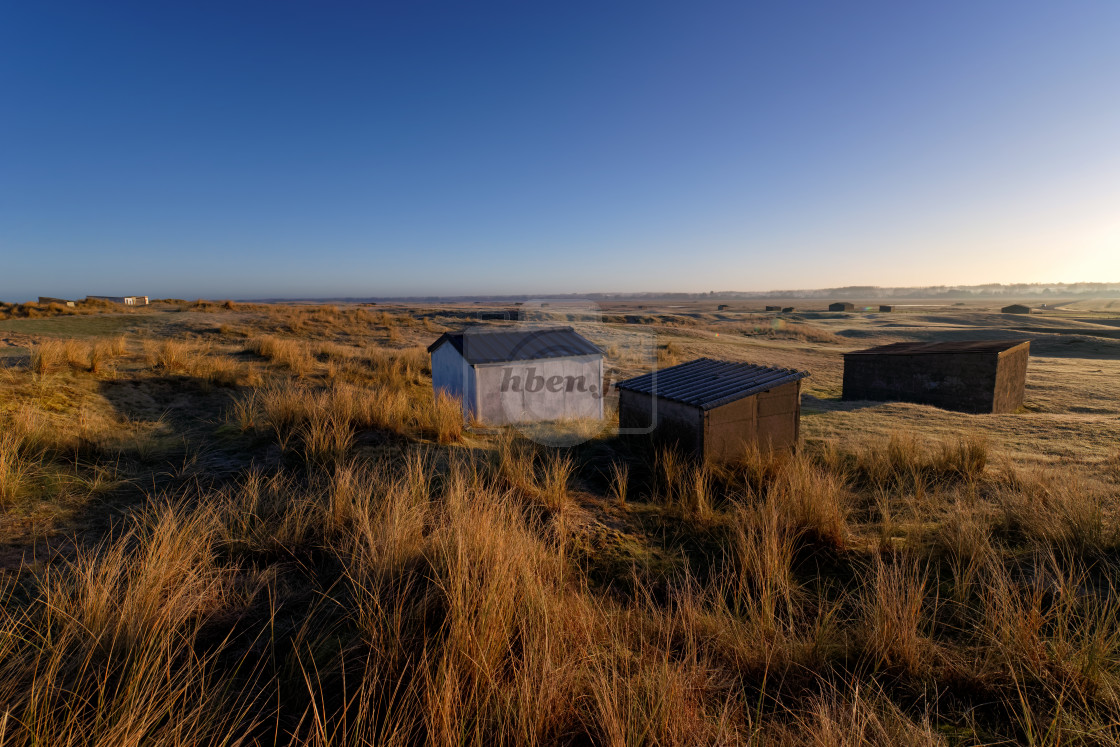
<point>885,309</point>
<point>721,307</point>
<point>788,310</point>
<point>973,376</point>
<point>841,306</point>
<point>1016,308</point>
<point>124,300</point>
<point>713,409</point>
<point>45,300</point>
<point>515,314</point>
<point>773,308</point>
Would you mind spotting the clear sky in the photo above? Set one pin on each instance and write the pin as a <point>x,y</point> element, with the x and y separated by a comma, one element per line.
<point>247,149</point>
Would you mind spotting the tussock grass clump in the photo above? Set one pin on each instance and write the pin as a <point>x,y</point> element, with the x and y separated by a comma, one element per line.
<point>291,354</point>
<point>397,368</point>
<point>317,417</point>
<point>76,354</point>
<point>444,420</point>
<point>557,475</point>
<point>118,626</point>
<point>698,500</point>
<point>846,716</point>
<point>15,467</point>
<point>761,548</point>
<point>225,371</point>
<point>539,476</point>
<point>99,355</point>
<point>620,482</point>
<point>1057,508</point>
<point>668,354</point>
<point>170,356</point>
<point>326,436</point>
<point>47,357</point>
<point>815,501</point>
<point>50,356</point>
<point>904,461</point>
<point>671,470</point>
<point>892,615</point>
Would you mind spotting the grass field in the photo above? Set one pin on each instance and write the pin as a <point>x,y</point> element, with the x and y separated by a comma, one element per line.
<point>254,524</point>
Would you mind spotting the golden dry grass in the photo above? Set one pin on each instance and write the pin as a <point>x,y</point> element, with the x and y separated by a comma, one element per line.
<point>318,551</point>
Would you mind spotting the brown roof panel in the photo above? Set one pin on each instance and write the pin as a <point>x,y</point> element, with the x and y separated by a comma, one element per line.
<point>942,348</point>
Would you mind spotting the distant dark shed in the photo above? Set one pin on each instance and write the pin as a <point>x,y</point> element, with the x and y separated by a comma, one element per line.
<point>509,315</point>
<point>841,306</point>
<point>788,310</point>
<point>886,309</point>
<point>1016,308</point>
<point>712,409</point>
<point>773,308</point>
<point>973,376</point>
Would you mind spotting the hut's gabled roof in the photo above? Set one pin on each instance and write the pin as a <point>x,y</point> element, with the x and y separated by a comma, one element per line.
<point>497,345</point>
<point>942,348</point>
<point>708,383</point>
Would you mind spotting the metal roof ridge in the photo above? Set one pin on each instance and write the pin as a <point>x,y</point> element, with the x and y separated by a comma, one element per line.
<point>706,383</point>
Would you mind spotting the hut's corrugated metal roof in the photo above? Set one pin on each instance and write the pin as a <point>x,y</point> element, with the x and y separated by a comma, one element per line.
<point>489,345</point>
<point>706,383</point>
<point>942,348</point>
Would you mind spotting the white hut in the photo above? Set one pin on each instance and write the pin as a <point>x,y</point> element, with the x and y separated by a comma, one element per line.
<point>520,375</point>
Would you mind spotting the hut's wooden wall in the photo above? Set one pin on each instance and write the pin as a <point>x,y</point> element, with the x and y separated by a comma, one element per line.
<point>967,382</point>
<point>770,420</point>
<point>672,423</point>
<point>1011,379</point>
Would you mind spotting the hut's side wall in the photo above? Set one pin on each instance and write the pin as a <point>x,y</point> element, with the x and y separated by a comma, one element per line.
<point>672,422</point>
<point>452,375</point>
<point>547,389</point>
<point>770,420</point>
<point>1011,379</point>
<point>956,381</point>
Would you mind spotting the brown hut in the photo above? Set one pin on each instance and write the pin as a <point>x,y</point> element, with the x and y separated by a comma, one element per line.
<point>773,308</point>
<point>841,306</point>
<point>712,409</point>
<point>973,376</point>
<point>1016,308</point>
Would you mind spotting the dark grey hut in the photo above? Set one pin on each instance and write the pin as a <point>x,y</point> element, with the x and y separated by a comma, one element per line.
<point>773,308</point>
<point>1016,308</point>
<point>886,309</point>
<point>841,306</point>
<point>712,409</point>
<point>974,376</point>
<point>515,314</point>
<point>788,310</point>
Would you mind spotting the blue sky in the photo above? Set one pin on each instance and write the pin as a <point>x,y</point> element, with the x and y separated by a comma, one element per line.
<point>244,149</point>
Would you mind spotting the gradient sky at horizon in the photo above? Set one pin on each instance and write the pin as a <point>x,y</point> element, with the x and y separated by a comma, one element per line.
<point>282,148</point>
